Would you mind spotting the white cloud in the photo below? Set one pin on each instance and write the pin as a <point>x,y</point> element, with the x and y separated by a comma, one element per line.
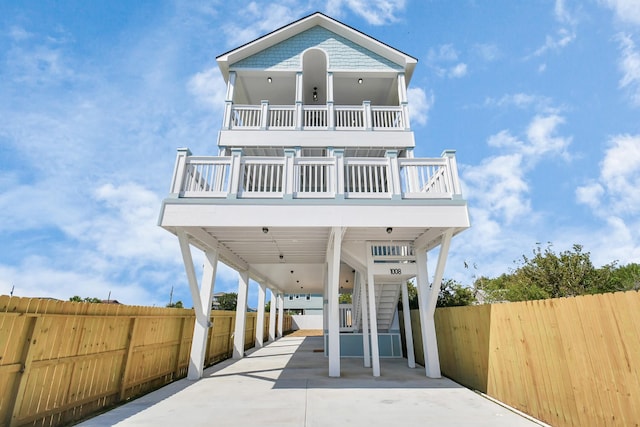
<point>629,64</point>
<point>375,12</point>
<point>555,43</point>
<point>209,88</point>
<point>487,52</point>
<point>542,138</point>
<point>419,105</point>
<point>539,104</point>
<point>626,10</point>
<point>440,60</point>
<point>616,190</point>
<point>459,70</point>
<point>443,53</point>
<point>498,184</point>
<point>256,19</point>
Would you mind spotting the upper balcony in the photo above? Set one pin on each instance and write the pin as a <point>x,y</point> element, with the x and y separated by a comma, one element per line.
<point>334,176</point>
<point>312,117</point>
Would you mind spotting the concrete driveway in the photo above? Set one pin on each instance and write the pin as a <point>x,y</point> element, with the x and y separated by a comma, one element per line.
<point>286,384</point>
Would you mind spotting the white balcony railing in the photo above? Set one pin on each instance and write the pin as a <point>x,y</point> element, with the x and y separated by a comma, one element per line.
<point>293,177</point>
<point>306,117</point>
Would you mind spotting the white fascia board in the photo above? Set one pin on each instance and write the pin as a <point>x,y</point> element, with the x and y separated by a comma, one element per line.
<point>450,215</point>
<point>320,138</point>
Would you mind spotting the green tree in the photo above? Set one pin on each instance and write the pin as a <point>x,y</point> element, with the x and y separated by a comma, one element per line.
<point>77,298</point>
<point>228,301</point>
<point>550,275</point>
<point>626,277</point>
<point>453,294</point>
<point>177,304</point>
<point>267,307</point>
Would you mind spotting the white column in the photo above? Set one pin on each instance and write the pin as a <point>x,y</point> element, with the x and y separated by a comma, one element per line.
<point>299,114</point>
<point>201,303</point>
<point>272,317</point>
<point>241,315</point>
<point>427,325</point>
<point>408,330</point>
<point>262,293</point>
<point>333,280</point>
<point>365,320</point>
<point>280,314</point>
<point>375,352</point>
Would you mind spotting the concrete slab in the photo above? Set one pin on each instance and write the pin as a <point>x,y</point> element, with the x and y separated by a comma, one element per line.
<point>286,384</point>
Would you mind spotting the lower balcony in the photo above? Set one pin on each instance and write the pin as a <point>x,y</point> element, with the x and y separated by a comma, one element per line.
<point>332,177</point>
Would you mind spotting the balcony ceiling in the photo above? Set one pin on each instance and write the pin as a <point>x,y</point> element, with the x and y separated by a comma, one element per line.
<point>303,250</point>
<point>252,88</point>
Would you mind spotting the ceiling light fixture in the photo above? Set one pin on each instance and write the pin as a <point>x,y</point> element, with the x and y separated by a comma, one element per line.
<point>389,230</point>
<point>360,81</point>
<point>265,230</point>
<point>269,79</point>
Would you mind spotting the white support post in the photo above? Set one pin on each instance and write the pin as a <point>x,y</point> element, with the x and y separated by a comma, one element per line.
<point>272,317</point>
<point>375,352</point>
<point>394,172</point>
<point>241,315</point>
<point>280,315</point>
<point>365,320</point>
<point>178,171</point>
<point>226,124</point>
<point>331,121</point>
<point>201,303</point>
<point>236,172</point>
<point>262,293</point>
<point>264,114</point>
<point>339,181</point>
<point>404,103</point>
<point>452,172</point>
<point>289,173</point>
<point>333,279</point>
<point>299,117</point>
<point>427,325</point>
<point>408,330</point>
<point>368,119</point>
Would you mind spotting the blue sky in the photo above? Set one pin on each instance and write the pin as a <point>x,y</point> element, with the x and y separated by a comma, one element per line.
<point>541,100</point>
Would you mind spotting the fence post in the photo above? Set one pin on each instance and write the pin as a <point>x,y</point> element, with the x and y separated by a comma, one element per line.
<point>33,332</point>
<point>176,370</point>
<point>126,362</point>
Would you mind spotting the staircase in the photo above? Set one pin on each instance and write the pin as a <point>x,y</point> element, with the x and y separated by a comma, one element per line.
<point>386,304</point>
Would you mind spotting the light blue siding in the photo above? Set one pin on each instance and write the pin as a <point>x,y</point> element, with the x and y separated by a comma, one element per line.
<point>342,53</point>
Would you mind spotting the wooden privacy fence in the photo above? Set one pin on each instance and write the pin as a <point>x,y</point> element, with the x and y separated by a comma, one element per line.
<point>567,361</point>
<point>62,361</point>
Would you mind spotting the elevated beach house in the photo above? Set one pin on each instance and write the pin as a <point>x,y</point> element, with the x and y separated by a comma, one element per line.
<point>314,189</point>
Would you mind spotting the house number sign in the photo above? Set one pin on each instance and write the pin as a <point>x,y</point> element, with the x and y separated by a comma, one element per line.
<point>396,270</point>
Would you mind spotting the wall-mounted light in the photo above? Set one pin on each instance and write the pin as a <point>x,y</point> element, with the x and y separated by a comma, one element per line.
<point>360,81</point>
<point>315,93</point>
<point>281,257</point>
<point>265,230</point>
<point>389,230</point>
<point>269,79</point>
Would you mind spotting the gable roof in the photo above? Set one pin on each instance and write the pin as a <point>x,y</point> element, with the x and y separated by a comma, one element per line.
<point>316,19</point>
